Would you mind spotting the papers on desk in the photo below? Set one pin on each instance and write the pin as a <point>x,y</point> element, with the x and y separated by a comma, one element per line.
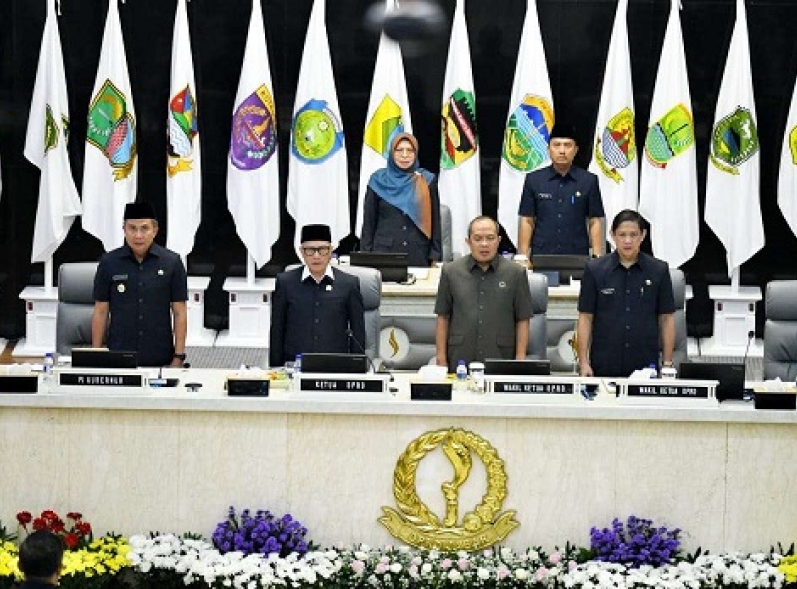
<point>419,273</point>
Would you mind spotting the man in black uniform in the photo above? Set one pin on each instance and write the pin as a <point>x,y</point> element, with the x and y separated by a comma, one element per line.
<point>143,288</point>
<point>559,203</point>
<point>625,307</point>
<point>315,306</point>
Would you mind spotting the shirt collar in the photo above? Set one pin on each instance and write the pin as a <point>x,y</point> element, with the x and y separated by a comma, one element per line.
<point>641,261</point>
<point>152,251</point>
<point>472,263</point>
<point>327,273</point>
<point>555,174</point>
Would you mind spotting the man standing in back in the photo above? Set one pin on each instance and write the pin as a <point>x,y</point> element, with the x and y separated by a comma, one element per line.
<point>561,210</point>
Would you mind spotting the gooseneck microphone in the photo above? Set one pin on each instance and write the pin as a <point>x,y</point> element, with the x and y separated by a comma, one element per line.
<point>747,396</point>
<point>352,337</point>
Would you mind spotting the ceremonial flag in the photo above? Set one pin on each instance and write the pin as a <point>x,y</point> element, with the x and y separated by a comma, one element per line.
<point>733,209</point>
<point>787,180</point>
<point>184,161</point>
<point>388,112</point>
<point>668,189</point>
<point>528,124</point>
<point>111,166</point>
<point>45,146</point>
<point>318,186</point>
<point>614,153</point>
<point>253,166</point>
<point>460,175</point>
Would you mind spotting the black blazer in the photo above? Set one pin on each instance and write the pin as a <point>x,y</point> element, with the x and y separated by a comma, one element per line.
<point>311,317</point>
<point>387,229</point>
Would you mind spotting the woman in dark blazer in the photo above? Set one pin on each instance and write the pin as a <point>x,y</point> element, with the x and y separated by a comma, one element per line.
<point>401,212</point>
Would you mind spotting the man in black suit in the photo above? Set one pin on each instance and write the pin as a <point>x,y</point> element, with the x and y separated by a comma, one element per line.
<point>315,306</point>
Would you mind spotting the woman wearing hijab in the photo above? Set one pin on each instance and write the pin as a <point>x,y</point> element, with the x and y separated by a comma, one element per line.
<point>402,207</point>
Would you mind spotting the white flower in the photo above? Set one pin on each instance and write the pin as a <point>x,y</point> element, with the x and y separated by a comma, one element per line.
<point>454,575</point>
<point>521,574</point>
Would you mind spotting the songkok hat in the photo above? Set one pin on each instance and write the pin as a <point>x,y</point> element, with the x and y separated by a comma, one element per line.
<point>316,233</point>
<point>563,131</point>
<point>139,210</point>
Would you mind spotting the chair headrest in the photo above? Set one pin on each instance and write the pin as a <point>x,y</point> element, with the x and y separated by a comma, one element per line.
<point>370,284</point>
<point>781,300</point>
<point>76,282</point>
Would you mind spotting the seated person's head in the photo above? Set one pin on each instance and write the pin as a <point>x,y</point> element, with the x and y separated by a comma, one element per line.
<point>40,556</point>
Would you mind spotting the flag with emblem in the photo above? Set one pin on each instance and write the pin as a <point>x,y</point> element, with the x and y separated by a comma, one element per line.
<point>318,185</point>
<point>733,208</point>
<point>460,176</point>
<point>184,162</point>
<point>668,187</point>
<point>614,154</point>
<point>253,163</point>
<point>388,112</point>
<point>787,179</point>
<point>528,124</point>
<point>110,170</point>
<point>46,146</point>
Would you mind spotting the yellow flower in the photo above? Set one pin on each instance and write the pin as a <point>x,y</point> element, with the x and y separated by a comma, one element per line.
<point>788,566</point>
<point>8,561</point>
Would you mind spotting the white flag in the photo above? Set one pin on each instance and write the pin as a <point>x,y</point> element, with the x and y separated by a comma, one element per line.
<point>388,113</point>
<point>668,189</point>
<point>528,124</point>
<point>318,186</point>
<point>253,166</point>
<point>184,162</point>
<point>110,171</point>
<point>45,146</point>
<point>787,180</point>
<point>733,208</point>
<point>614,153</point>
<point>460,174</point>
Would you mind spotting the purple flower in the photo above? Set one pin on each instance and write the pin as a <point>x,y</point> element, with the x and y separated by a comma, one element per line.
<point>264,533</point>
<point>635,543</point>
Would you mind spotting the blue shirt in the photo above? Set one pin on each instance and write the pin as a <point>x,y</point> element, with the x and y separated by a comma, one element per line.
<point>140,296</point>
<point>561,206</point>
<point>625,304</point>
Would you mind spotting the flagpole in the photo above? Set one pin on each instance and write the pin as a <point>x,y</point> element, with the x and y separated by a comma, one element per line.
<point>250,269</point>
<point>48,275</point>
<point>735,279</point>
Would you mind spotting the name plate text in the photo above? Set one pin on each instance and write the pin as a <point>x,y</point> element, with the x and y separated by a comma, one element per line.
<point>344,385</point>
<point>533,387</point>
<point>669,390</point>
<point>78,379</point>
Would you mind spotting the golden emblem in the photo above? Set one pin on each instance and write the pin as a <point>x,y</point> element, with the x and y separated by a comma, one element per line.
<point>416,525</point>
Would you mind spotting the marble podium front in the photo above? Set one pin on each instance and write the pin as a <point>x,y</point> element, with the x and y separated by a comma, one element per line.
<point>175,461</point>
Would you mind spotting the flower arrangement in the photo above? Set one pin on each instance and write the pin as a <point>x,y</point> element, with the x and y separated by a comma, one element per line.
<point>263,533</point>
<point>165,561</point>
<point>87,564</point>
<point>77,534</point>
<point>637,543</point>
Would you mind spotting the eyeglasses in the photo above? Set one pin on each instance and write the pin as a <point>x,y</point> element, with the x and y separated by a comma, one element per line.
<point>406,150</point>
<point>321,250</point>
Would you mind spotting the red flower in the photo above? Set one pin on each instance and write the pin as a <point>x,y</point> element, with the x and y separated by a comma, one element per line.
<point>49,515</point>
<point>71,540</point>
<point>39,524</point>
<point>57,525</point>
<point>24,518</point>
<point>84,528</point>
<point>74,515</point>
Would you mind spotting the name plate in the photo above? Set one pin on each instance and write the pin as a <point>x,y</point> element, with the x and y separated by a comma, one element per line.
<point>343,383</point>
<point>533,387</point>
<point>100,380</point>
<point>79,379</point>
<point>668,392</point>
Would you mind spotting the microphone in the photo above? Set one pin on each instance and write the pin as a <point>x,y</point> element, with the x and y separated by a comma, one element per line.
<point>350,335</point>
<point>745,394</point>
